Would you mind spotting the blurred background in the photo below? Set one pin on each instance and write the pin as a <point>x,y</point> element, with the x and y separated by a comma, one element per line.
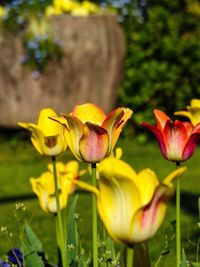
<point>141,54</point>
<point>152,62</point>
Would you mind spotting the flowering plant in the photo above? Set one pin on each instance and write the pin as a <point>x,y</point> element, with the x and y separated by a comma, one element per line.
<point>131,205</point>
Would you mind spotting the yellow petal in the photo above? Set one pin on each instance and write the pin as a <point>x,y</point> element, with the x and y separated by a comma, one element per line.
<point>89,113</point>
<point>183,113</point>
<point>147,182</point>
<point>119,198</point>
<point>174,175</point>
<point>73,134</point>
<point>114,123</point>
<point>195,103</point>
<point>47,126</point>
<point>36,135</point>
<point>87,187</point>
<point>112,167</point>
<point>94,143</point>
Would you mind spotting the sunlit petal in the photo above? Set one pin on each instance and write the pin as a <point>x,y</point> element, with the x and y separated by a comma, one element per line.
<point>89,113</point>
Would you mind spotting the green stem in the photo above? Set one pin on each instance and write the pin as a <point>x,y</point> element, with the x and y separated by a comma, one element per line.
<point>60,229</point>
<point>129,257</point>
<point>94,218</point>
<point>178,221</point>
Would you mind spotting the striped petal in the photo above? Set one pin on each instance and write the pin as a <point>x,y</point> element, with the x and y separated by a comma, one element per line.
<point>148,219</point>
<point>117,205</point>
<point>114,123</point>
<point>89,113</point>
<point>94,143</point>
<point>175,137</point>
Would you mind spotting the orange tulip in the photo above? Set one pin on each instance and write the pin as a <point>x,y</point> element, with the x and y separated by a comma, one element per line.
<point>90,134</point>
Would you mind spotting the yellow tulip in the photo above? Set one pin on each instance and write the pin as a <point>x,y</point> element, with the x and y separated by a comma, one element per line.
<point>192,112</point>
<point>132,206</point>
<point>90,134</point>
<point>44,187</point>
<point>47,136</point>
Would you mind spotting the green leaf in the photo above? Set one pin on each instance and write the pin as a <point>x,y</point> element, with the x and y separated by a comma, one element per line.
<point>184,260</point>
<point>31,258</point>
<point>32,239</point>
<point>195,264</point>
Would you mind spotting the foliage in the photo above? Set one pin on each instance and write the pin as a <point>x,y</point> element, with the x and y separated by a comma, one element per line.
<point>163,54</point>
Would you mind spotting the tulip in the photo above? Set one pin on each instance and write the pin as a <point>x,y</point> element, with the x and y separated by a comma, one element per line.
<point>193,112</point>
<point>132,206</point>
<point>44,186</point>
<point>178,140</point>
<point>90,134</point>
<point>47,136</point>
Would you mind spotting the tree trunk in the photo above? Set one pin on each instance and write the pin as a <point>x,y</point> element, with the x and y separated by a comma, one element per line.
<point>89,71</point>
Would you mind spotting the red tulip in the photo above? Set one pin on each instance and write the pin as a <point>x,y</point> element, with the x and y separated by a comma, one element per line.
<point>177,140</point>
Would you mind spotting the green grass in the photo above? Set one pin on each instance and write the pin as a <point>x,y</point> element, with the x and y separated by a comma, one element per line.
<point>19,161</point>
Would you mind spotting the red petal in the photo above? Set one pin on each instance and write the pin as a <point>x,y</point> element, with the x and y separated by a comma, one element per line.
<point>161,119</point>
<point>158,135</point>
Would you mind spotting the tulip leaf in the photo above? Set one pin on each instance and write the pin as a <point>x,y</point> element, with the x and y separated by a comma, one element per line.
<point>32,239</point>
<point>184,260</point>
<point>72,238</point>
<point>31,257</point>
<point>195,264</point>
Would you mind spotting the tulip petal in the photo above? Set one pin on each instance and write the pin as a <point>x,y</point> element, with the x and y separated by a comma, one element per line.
<point>87,187</point>
<point>112,167</point>
<point>36,135</point>
<point>48,127</point>
<point>117,205</point>
<point>114,123</point>
<point>94,143</point>
<point>148,219</point>
<point>175,138</point>
<point>158,135</point>
<point>73,134</point>
<point>192,142</point>
<point>161,119</point>
<point>195,103</point>
<point>147,181</point>
<point>89,113</point>
<point>174,175</point>
<point>183,113</point>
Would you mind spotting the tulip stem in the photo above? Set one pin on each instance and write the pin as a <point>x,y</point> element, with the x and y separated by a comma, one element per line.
<point>60,229</point>
<point>178,222</point>
<point>94,218</point>
<point>130,257</point>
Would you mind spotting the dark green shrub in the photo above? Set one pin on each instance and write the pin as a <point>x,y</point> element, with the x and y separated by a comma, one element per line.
<point>163,59</point>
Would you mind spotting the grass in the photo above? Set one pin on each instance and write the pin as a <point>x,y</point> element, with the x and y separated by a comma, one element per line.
<point>19,161</point>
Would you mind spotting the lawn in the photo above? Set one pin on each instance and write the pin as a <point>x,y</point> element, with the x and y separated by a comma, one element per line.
<point>19,161</point>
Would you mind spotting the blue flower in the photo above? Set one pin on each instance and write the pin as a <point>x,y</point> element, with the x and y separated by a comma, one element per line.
<point>14,256</point>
